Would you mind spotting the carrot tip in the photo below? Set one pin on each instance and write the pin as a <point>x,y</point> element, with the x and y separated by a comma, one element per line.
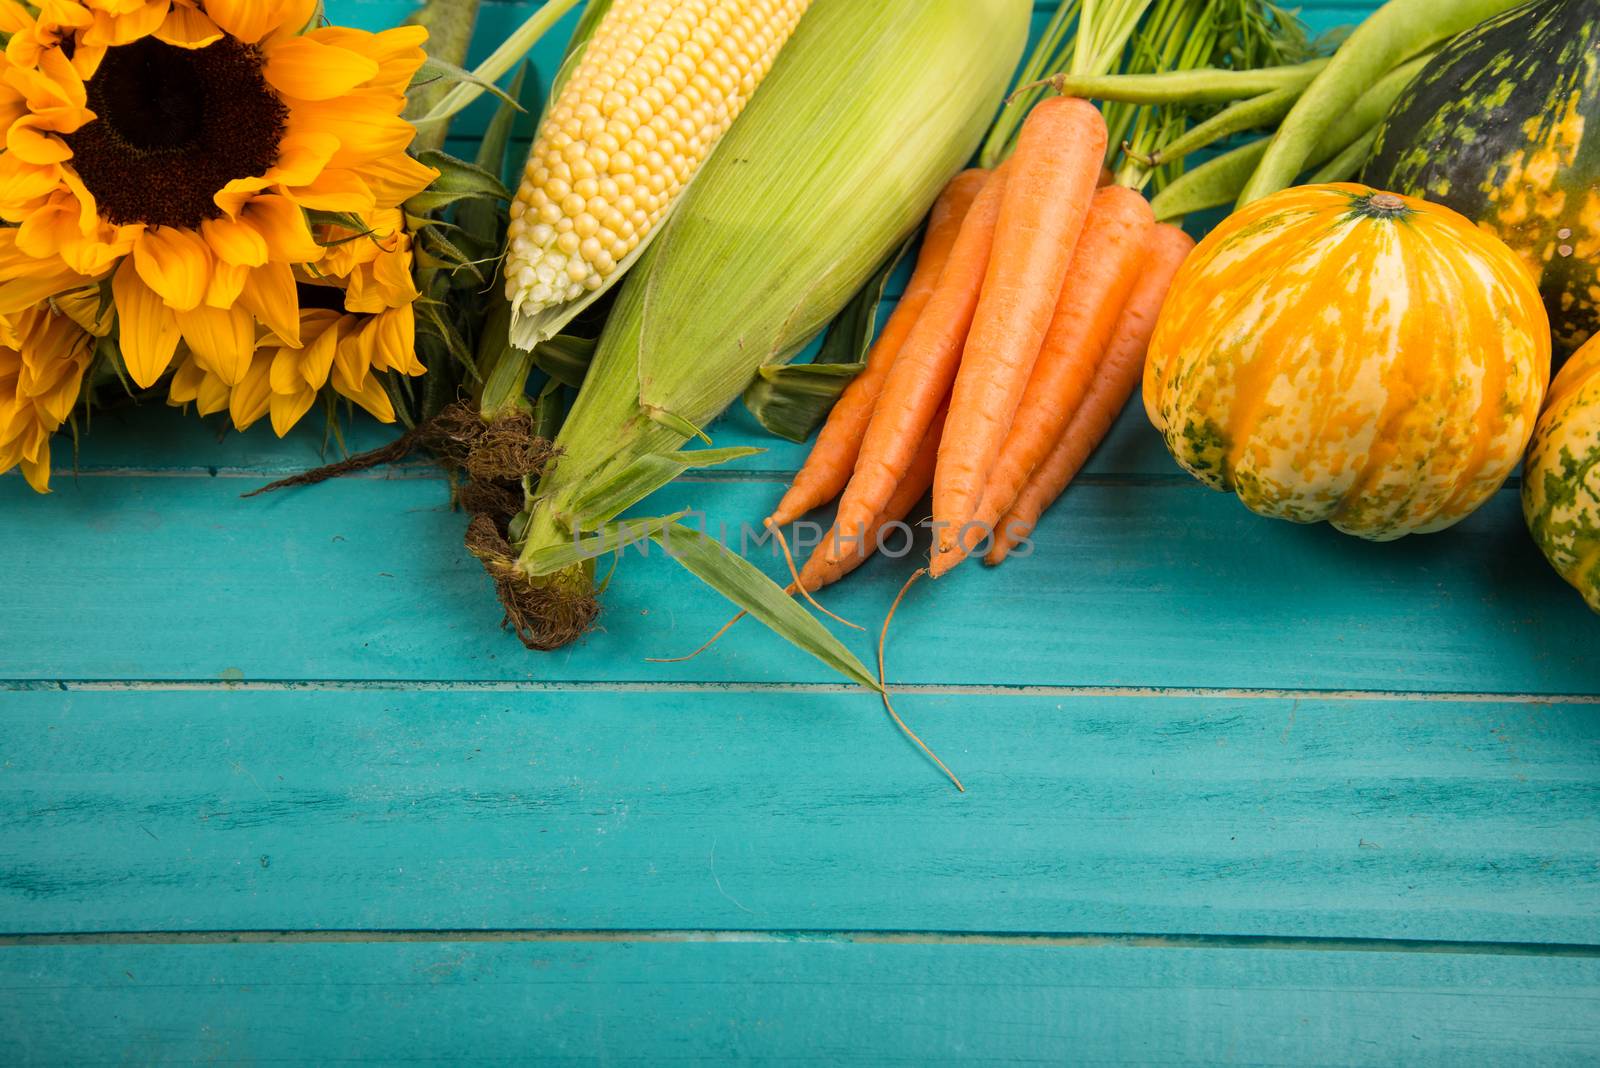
<point>800,587</point>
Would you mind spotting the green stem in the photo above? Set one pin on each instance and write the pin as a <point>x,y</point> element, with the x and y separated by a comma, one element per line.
<point>501,60</point>
<point>1044,61</point>
<point>504,367</point>
<point>449,24</point>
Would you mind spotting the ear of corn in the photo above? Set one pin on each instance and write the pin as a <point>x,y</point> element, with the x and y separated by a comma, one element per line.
<point>658,85</point>
<point>868,112</point>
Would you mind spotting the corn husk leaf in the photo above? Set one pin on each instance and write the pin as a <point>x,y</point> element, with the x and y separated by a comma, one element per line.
<point>609,499</point>
<point>792,400</point>
<point>612,537</point>
<point>435,71</point>
<point>509,53</point>
<point>742,583</point>
<point>497,135</point>
<point>565,358</point>
<point>548,411</point>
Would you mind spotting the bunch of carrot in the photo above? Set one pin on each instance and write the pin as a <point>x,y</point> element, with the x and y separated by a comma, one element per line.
<point>1019,339</point>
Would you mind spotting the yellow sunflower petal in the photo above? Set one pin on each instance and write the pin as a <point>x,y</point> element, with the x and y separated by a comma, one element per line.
<point>284,373</point>
<point>302,156</point>
<point>233,197</point>
<point>222,339</point>
<point>186,27</point>
<point>214,395</point>
<point>396,179</point>
<point>235,241</point>
<point>373,398</point>
<point>315,361</point>
<point>396,341</point>
<point>309,70</point>
<point>270,296</point>
<point>336,190</point>
<point>287,408</point>
<point>33,145</point>
<point>227,283</point>
<point>248,20</point>
<point>113,30</point>
<point>48,227</point>
<point>14,18</point>
<point>24,185</point>
<point>43,281</point>
<point>146,327</point>
<point>175,263</point>
<point>352,359</point>
<point>252,396</point>
<point>283,225</point>
<point>37,471</point>
<point>293,16</point>
<point>366,123</point>
<point>186,382</point>
<point>398,52</point>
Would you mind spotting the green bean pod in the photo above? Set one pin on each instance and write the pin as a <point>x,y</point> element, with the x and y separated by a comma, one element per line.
<point>1347,164</point>
<point>1205,86</point>
<point>1399,29</point>
<point>1219,181</point>
<point>1252,114</point>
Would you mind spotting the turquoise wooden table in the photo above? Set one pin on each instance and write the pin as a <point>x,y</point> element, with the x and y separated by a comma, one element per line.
<point>274,787</point>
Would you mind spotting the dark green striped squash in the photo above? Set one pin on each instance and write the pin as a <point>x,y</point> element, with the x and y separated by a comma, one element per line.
<point>1495,126</point>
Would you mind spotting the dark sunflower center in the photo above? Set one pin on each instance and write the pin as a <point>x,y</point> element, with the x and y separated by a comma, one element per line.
<point>174,126</point>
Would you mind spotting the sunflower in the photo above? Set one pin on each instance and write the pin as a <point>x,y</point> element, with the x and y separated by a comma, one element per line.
<point>202,161</point>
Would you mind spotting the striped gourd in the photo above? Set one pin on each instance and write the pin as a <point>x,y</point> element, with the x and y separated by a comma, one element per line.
<point>1561,478</point>
<point>659,84</point>
<point>1333,353</point>
<point>1496,126</point>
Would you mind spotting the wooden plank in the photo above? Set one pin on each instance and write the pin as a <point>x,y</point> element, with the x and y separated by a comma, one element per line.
<point>711,809</point>
<point>1161,585</point>
<point>789,1003</point>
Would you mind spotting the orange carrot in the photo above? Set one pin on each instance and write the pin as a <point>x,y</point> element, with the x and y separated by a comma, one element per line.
<point>1053,176</point>
<point>827,470</point>
<point>919,381</point>
<point>826,568</point>
<point>1114,382</point>
<point>1105,267</point>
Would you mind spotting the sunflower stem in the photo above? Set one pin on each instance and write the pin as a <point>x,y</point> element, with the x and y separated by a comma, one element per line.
<point>501,60</point>
<point>449,24</point>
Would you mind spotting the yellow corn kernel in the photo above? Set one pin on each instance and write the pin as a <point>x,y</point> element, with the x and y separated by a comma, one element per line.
<point>658,86</point>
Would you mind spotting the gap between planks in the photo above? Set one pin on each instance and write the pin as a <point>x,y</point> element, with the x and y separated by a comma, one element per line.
<point>432,473</point>
<point>1080,940</point>
<point>819,688</point>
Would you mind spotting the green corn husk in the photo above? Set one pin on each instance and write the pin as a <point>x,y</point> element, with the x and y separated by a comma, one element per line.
<point>868,112</point>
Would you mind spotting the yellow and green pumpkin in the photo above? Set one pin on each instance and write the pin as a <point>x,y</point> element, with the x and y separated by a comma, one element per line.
<point>1333,353</point>
<point>1561,479</point>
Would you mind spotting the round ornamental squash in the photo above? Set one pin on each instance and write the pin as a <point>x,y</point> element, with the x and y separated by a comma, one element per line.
<point>1496,127</point>
<point>1335,353</point>
<point>1561,479</point>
